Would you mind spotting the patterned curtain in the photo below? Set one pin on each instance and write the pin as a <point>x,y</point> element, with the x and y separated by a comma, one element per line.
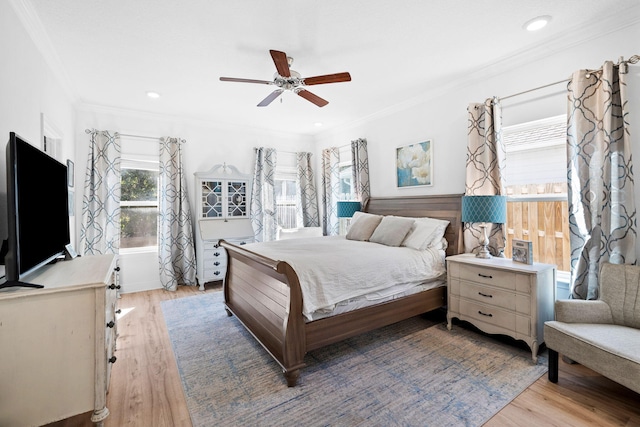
<point>176,251</point>
<point>360,169</point>
<point>602,213</point>
<point>308,198</point>
<point>100,230</point>
<point>330,190</point>
<point>263,197</point>
<point>485,169</point>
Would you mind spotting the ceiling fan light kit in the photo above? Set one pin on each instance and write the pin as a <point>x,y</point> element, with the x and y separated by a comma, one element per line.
<point>287,79</point>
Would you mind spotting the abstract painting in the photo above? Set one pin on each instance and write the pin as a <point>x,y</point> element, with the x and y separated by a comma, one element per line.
<point>414,164</point>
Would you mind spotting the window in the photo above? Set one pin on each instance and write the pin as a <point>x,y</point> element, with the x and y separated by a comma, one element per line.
<point>346,174</point>
<point>536,178</point>
<point>138,204</point>
<point>286,197</point>
<point>346,186</point>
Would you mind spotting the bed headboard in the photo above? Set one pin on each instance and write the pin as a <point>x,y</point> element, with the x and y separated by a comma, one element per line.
<point>447,207</point>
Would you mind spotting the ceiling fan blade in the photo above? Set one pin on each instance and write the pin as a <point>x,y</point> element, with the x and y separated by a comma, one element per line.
<point>273,95</point>
<point>313,98</point>
<point>233,79</point>
<point>329,78</point>
<point>282,64</point>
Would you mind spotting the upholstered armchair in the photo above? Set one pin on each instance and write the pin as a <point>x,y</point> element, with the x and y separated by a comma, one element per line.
<point>603,334</point>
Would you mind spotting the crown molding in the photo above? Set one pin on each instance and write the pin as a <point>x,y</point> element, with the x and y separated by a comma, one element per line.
<point>32,24</point>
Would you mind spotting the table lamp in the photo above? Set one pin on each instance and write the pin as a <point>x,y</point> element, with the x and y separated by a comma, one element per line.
<point>346,209</point>
<point>484,210</point>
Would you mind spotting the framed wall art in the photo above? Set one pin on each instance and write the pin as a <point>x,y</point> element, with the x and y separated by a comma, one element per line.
<point>414,164</point>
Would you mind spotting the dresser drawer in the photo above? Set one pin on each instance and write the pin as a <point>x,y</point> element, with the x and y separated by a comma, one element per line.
<point>217,263</point>
<point>211,274</point>
<point>488,295</point>
<point>215,253</point>
<point>489,314</point>
<point>488,276</point>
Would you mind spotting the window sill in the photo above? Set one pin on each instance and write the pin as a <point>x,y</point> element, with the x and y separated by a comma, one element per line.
<point>141,250</point>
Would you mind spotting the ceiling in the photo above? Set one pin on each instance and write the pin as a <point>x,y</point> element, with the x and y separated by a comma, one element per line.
<point>111,53</point>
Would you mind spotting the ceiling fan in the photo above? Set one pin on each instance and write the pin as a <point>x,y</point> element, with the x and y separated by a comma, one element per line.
<point>287,79</point>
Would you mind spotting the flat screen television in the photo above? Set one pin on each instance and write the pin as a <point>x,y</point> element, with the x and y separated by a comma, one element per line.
<point>37,210</point>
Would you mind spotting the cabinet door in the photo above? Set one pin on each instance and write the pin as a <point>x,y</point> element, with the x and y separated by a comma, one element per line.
<point>237,198</point>
<point>212,199</point>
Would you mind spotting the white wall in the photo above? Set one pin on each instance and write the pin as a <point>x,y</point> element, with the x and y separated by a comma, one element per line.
<point>28,88</point>
<point>206,145</point>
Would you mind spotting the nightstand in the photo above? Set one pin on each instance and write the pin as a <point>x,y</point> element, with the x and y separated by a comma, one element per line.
<point>499,296</point>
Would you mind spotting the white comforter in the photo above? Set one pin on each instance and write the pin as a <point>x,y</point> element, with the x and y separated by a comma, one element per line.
<point>333,269</point>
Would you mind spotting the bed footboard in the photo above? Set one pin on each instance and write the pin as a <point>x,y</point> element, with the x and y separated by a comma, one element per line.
<point>265,295</point>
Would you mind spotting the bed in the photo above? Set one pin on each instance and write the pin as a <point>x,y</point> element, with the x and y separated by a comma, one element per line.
<point>266,296</point>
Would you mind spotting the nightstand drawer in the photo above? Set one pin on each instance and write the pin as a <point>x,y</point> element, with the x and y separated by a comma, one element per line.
<point>488,276</point>
<point>488,295</point>
<point>489,314</point>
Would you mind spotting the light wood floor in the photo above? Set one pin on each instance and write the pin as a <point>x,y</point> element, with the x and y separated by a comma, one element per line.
<point>146,391</point>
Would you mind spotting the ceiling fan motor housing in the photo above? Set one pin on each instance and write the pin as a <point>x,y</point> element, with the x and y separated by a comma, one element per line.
<point>288,83</point>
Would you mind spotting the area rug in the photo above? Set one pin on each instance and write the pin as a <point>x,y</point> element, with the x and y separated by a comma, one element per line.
<point>413,373</point>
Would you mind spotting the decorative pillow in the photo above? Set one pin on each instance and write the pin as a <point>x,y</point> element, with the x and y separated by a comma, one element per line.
<point>392,230</point>
<point>425,232</point>
<point>362,226</point>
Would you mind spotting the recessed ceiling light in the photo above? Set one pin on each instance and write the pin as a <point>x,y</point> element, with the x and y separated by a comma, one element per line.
<point>318,124</point>
<point>537,23</point>
<point>153,95</point>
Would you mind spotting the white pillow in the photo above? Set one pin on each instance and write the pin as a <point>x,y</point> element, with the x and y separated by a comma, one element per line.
<point>426,232</point>
<point>392,230</point>
<point>362,226</point>
<point>441,245</point>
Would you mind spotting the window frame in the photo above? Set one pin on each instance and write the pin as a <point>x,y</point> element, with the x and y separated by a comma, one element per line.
<point>140,162</point>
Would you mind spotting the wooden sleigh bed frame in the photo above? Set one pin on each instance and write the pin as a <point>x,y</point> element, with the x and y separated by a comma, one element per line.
<point>265,295</point>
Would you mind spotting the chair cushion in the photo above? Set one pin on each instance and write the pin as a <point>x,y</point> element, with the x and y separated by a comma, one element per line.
<point>612,350</point>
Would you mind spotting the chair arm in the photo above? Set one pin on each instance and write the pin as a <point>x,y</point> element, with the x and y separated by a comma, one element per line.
<point>582,311</point>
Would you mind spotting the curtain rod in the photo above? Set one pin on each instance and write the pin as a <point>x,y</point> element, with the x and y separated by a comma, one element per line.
<point>136,136</point>
<point>287,152</point>
<point>634,59</point>
<point>180,140</point>
<point>501,98</point>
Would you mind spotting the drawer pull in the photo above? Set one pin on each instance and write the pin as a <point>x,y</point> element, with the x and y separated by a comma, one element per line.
<point>485,314</point>
<point>112,359</point>
<point>485,276</point>
<point>111,324</point>
<point>216,263</point>
<point>117,269</point>
<point>485,295</point>
<point>216,254</point>
<point>118,311</point>
<point>216,272</point>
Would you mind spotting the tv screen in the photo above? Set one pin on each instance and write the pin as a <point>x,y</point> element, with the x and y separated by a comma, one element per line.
<point>37,209</point>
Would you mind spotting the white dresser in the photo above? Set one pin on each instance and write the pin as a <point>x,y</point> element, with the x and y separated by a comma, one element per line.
<point>223,213</point>
<point>57,343</point>
<point>500,296</point>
